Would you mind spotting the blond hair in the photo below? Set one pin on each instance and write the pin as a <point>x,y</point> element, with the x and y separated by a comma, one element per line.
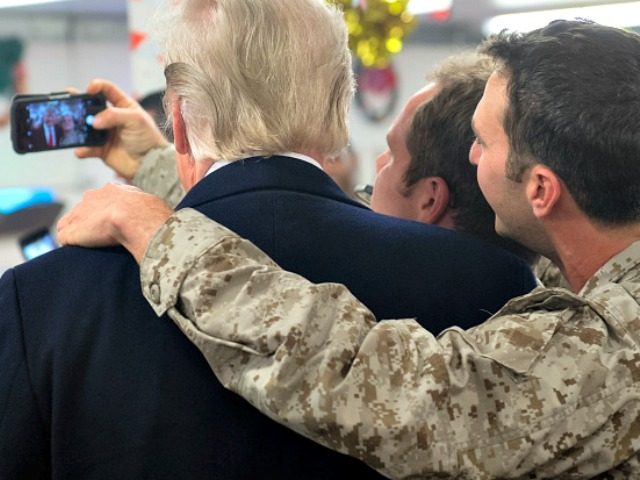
<point>259,76</point>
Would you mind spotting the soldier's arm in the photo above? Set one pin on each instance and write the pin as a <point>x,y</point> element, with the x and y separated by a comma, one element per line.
<point>157,175</point>
<point>136,148</point>
<point>313,358</point>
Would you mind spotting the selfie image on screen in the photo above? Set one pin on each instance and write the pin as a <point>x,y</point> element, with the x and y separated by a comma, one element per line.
<point>40,124</point>
<point>57,123</point>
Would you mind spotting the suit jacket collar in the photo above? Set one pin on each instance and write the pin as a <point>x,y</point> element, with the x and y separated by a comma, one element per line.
<point>261,173</point>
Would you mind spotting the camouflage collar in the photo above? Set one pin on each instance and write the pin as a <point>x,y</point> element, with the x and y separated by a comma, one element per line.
<point>620,266</point>
<point>603,284</point>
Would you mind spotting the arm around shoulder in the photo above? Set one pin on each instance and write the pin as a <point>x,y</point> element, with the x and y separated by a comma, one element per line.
<point>313,358</point>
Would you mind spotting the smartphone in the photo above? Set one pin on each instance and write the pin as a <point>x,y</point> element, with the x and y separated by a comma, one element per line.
<point>36,243</point>
<point>57,120</point>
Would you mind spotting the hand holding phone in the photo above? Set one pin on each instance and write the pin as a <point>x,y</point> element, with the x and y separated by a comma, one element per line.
<point>132,131</point>
<point>58,120</point>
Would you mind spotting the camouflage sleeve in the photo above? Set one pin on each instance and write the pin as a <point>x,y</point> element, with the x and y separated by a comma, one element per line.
<point>157,174</point>
<point>259,331</point>
<point>502,400</point>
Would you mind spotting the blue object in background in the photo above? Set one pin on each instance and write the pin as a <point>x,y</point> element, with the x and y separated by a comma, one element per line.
<point>17,198</point>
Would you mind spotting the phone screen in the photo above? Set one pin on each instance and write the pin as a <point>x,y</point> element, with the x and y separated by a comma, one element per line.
<point>50,122</point>
<point>36,244</point>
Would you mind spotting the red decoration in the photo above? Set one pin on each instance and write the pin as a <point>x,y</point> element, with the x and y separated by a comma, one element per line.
<point>377,92</point>
<point>135,39</point>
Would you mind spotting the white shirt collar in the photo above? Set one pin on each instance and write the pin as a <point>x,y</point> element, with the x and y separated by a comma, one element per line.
<point>305,158</point>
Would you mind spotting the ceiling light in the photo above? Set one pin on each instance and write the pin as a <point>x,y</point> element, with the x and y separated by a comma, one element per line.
<point>423,7</point>
<point>528,4</point>
<point>24,3</point>
<point>615,15</point>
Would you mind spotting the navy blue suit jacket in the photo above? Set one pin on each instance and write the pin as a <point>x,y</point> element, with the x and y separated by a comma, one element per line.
<point>93,385</point>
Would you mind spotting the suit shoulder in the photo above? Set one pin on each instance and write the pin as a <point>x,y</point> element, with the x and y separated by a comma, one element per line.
<point>76,268</point>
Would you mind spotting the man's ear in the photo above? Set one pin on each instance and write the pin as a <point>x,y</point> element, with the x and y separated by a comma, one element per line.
<point>180,139</point>
<point>432,198</point>
<point>543,190</point>
<point>185,164</point>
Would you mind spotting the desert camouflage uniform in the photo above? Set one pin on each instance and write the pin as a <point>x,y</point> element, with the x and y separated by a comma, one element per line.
<point>549,387</point>
<point>157,174</point>
<point>549,274</point>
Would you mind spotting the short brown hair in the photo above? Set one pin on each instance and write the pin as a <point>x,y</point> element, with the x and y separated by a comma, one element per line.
<point>439,140</point>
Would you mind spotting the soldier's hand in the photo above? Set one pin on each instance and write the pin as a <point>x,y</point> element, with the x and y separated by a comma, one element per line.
<point>112,215</point>
<point>133,132</point>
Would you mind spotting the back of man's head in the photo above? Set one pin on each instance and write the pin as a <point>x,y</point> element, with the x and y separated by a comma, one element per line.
<point>574,106</point>
<point>440,137</point>
<point>439,141</point>
<point>259,76</point>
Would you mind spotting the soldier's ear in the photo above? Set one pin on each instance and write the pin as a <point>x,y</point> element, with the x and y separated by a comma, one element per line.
<point>544,189</point>
<point>432,197</point>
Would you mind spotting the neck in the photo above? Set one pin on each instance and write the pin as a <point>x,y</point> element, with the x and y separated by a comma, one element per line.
<point>321,158</point>
<point>446,220</point>
<point>580,252</point>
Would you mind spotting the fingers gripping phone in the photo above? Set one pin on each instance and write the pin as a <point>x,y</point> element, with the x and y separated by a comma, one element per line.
<point>57,120</point>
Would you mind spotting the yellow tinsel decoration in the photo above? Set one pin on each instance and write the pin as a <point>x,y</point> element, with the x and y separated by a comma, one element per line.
<point>376,28</point>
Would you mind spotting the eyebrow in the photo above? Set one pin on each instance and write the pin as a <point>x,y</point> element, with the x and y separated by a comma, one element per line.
<point>474,128</point>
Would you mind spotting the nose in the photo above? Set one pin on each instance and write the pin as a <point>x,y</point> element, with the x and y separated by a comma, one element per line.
<point>382,160</point>
<point>474,153</point>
